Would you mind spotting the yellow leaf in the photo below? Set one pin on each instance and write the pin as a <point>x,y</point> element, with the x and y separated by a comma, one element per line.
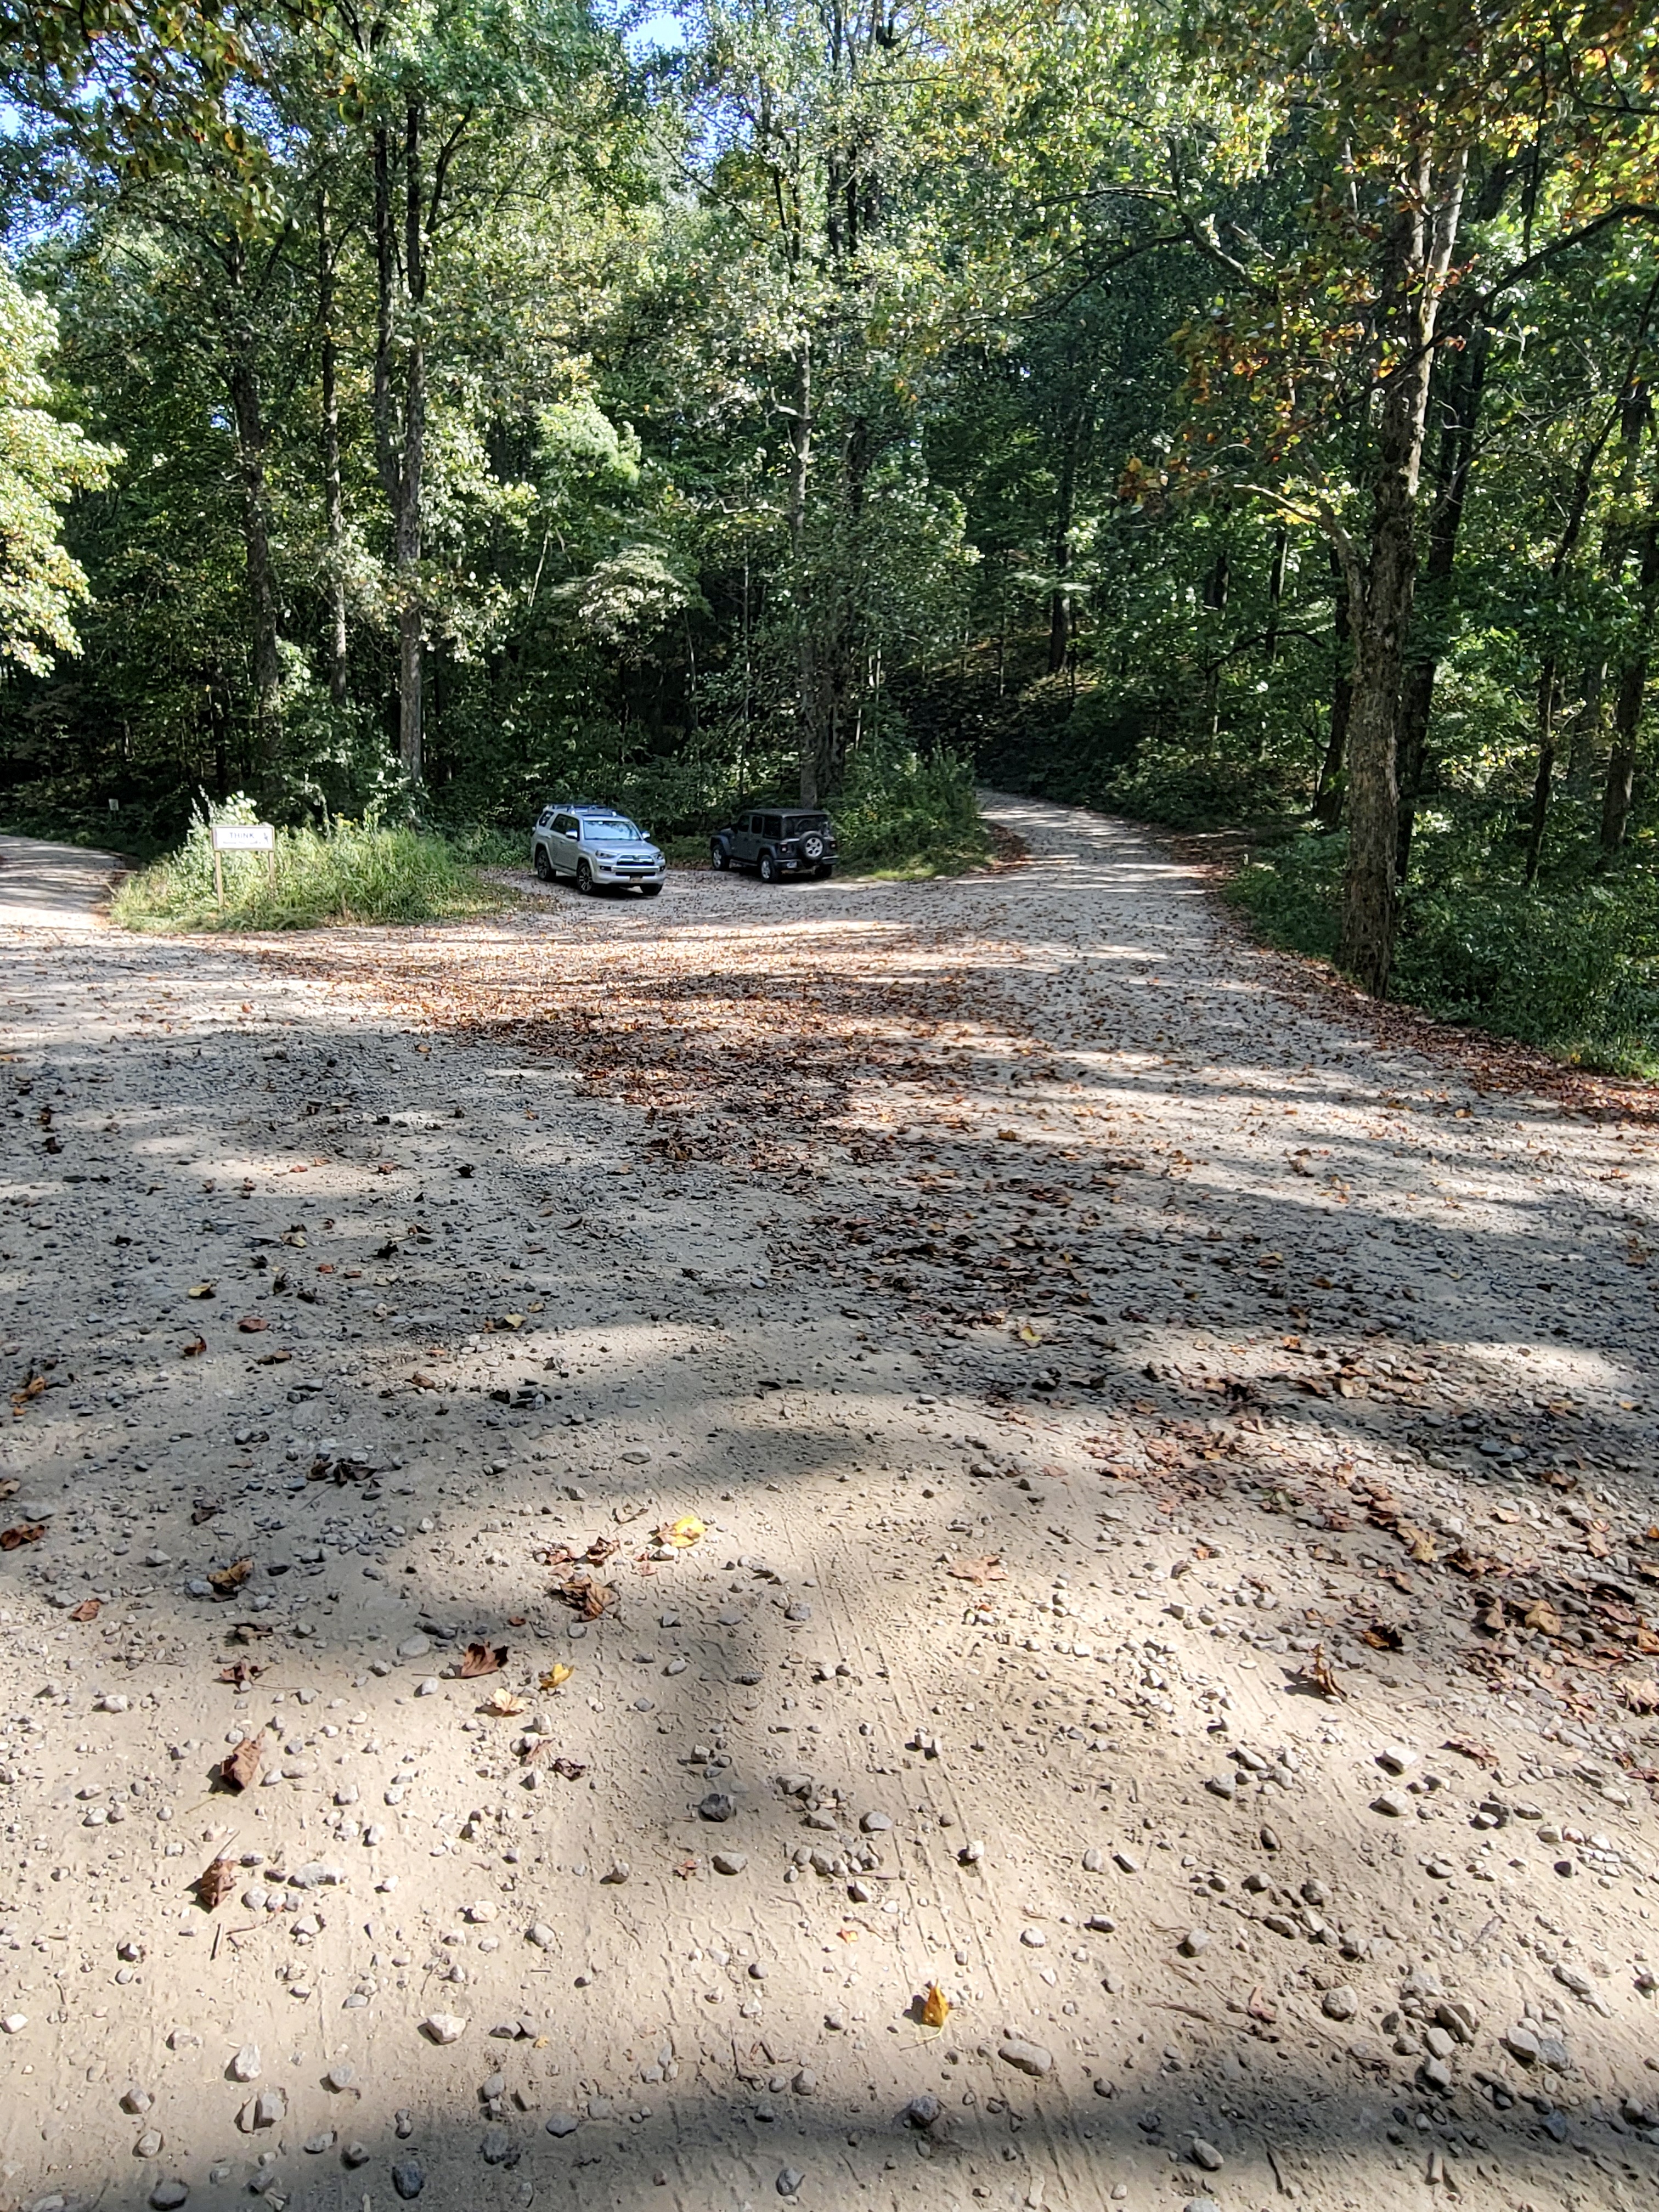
<point>557,1672</point>
<point>1028,1334</point>
<point>512,1320</point>
<point>199,1291</point>
<point>935,2007</point>
<point>687,1530</point>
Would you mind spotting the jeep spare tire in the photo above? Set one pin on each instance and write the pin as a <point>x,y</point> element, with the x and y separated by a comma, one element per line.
<point>813,846</point>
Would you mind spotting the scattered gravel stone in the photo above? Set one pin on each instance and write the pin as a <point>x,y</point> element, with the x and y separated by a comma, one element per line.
<point>1339,2004</point>
<point>1030,2057</point>
<point>561,2123</point>
<point>1207,2155</point>
<point>730,1861</point>
<point>789,2180</point>
<point>716,1806</point>
<point>444,2026</point>
<point>409,2178</point>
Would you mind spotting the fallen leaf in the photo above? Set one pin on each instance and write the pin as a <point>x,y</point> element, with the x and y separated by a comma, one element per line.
<point>935,2007</point>
<point>1543,1616</point>
<point>483,1659</point>
<point>682,1533</point>
<point>543,1754</point>
<point>25,1532</point>
<point>250,1324</point>
<point>204,1509</point>
<point>1469,1746</point>
<point>195,1350</point>
<point>88,1609</point>
<point>557,1672</point>
<point>1260,2008</point>
<point>239,1673</point>
<point>501,1705</point>
<point>240,1769</point>
<point>249,1631</point>
<point>588,1596</point>
<point>1028,1334</point>
<point>1382,1637</point>
<point>216,1882</point>
<point>1418,1543</point>
<point>1319,1674</point>
<point>200,1291</point>
<point>979,1571</point>
<point>600,1550</point>
<point>510,1321</point>
<point>228,1580</point>
<point>1640,1697</point>
<point>273,1358</point>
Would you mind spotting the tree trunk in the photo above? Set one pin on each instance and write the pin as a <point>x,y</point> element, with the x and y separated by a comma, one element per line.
<point>1628,704</point>
<point>1453,459</point>
<point>1275,592</point>
<point>1416,253</point>
<point>261,580</point>
<point>800,443</point>
<point>1328,792</point>
<point>1060,603</point>
<point>411,611</point>
<point>333,504</point>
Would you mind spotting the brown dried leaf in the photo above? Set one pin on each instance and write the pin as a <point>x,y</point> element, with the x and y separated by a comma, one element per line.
<point>240,1770</point>
<point>228,1580</point>
<point>1470,1747</point>
<point>979,1571</point>
<point>1542,1615</point>
<point>215,1883</point>
<point>1318,1675</point>
<point>601,1549</point>
<point>240,1673</point>
<point>193,1350</point>
<point>543,1754</point>
<point>587,1595</point>
<point>1383,1636</point>
<point>1260,2008</point>
<point>1418,1543</point>
<point>501,1705</point>
<point>88,1609</point>
<point>935,2007</point>
<point>483,1659</point>
<point>1640,1697</point>
<point>25,1532</point>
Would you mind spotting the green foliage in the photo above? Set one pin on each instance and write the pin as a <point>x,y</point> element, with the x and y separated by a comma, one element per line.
<point>899,814</point>
<point>348,872</point>
<point>1573,968</point>
<point>43,460</point>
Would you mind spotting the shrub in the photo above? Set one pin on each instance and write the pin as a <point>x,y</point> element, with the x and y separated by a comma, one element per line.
<point>349,871</point>
<point>900,815</point>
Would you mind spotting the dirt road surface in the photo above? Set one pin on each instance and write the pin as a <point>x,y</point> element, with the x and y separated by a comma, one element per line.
<point>1176,1480</point>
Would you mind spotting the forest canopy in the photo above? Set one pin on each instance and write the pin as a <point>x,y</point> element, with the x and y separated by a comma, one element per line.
<point>1240,417</point>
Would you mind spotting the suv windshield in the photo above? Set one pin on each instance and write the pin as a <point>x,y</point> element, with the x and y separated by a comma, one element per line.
<point>612,833</point>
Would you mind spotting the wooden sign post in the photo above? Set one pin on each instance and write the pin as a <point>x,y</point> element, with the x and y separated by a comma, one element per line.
<point>242,837</point>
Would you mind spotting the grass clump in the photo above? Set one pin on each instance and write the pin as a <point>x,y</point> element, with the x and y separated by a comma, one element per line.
<point>346,873</point>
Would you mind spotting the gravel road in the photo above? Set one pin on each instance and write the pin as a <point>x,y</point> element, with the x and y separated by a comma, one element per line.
<point>1175,1484</point>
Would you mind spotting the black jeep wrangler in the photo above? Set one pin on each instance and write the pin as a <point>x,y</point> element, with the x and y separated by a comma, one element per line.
<point>777,841</point>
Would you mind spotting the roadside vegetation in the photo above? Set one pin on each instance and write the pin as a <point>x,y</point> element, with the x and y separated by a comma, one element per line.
<point>349,871</point>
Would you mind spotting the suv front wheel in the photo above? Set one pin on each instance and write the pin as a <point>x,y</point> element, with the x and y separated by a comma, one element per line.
<point>768,869</point>
<point>718,855</point>
<point>584,876</point>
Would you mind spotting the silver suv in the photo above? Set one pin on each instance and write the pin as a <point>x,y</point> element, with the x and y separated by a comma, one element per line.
<point>601,848</point>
